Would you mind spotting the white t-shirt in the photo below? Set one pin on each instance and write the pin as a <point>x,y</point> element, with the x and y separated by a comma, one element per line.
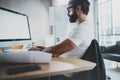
<point>81,35</point>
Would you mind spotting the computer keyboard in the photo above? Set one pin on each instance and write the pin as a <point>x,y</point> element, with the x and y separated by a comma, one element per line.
<point>25,57</point>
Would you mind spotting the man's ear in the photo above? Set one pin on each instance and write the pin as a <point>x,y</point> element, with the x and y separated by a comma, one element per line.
<point>78,8</point>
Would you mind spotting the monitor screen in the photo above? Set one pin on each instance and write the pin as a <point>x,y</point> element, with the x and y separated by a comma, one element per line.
<point>14,28</point>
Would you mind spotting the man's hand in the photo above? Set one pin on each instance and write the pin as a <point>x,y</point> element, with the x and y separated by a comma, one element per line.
<point>37,48</point>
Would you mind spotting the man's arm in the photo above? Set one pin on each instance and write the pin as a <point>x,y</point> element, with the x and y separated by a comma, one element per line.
<point>60,48</point>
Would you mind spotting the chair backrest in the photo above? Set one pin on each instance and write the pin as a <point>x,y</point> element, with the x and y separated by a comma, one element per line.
<point>93,54</point>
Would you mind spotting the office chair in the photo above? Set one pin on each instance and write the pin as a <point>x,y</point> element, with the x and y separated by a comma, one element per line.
<point>93,54</point>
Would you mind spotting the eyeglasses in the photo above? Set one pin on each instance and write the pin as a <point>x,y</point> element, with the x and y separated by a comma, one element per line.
<point>69,7</point>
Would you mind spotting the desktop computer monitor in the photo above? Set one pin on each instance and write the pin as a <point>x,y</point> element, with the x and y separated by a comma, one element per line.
<point>14,28</point>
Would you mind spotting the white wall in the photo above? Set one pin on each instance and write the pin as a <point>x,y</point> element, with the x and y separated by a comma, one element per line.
<point>38,13</point>
<point>59,2</point>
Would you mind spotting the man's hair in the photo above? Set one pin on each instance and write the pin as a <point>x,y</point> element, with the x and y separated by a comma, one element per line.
<point>83,3</point>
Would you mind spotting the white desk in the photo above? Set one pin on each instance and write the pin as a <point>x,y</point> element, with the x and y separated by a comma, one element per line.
<point>56,67</point>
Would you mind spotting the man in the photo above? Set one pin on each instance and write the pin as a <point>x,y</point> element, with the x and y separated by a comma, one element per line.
<point>80,37</point>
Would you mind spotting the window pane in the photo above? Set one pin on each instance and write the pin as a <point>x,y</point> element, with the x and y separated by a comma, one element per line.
<point>105,22</point>
<point>105,18</point>
<point>102,1</point>
<point>109,25</point>
<point>116,16</point>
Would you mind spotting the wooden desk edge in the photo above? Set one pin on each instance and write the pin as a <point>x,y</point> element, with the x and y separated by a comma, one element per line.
<point>74,61</point>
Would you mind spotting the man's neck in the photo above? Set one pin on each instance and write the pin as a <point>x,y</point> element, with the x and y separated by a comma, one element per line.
<point>81,19</point>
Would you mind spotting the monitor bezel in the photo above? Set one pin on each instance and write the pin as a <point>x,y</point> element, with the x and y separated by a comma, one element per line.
<point>6,40</point>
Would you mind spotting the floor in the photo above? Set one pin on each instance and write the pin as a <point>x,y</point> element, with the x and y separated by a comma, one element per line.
<point>112,69</point>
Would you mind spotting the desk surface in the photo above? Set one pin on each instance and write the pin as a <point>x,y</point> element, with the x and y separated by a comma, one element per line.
<point>56,67</point>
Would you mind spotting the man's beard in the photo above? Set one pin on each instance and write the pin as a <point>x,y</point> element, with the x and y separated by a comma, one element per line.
<point>73,17</point>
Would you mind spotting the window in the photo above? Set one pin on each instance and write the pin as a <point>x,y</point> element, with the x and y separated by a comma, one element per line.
<point>108,18</point>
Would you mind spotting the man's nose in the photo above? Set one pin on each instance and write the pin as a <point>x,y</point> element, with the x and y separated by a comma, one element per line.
<point>68,14</point>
